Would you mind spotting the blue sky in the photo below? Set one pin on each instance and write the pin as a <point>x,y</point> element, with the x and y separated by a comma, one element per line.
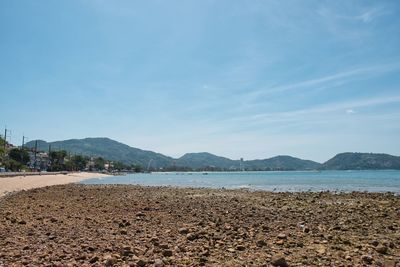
<point>250,79</point>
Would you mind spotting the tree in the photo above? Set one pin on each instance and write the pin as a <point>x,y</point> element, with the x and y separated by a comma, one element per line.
<point>19,155</point>
<point>78,162</point>
<point>2,151</point>
<point>57,160</point>
<point>119,166</point>
<point>13,165</point>
<point>99,163</point>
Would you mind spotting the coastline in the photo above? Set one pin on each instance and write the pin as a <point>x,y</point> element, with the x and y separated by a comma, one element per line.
<point>29,180</point>
<point>118,225</point>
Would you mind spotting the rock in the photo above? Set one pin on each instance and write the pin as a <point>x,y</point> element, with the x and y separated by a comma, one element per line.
<point>123,232</point>
<point>382,249</point>
<point>158,263</point>
<point>141,263</point>
<point>282,236</point>
<point>191,236</point>
<point>164,246</point>
<point>231,250</point>
<point>374,243</point>
<point>367,259</point>
<point>110,260</point>
<point>240,247</point>
<point>183,231</point>
<point>167,253</point>
<point>389,263</point>
<point>261,243</point>
<point>279,260</point>
<point>94,259</point>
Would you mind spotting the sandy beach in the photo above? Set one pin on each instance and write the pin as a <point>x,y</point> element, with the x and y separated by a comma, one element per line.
<point>126,225</point>
<point>16,183</point>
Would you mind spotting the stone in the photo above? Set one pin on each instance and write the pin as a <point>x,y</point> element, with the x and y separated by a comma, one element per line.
<point>158,263</point>
<point>382,249</point>
<point>167,253</point>
<point>261,243</point>
<point>367,259</point>
<point>240,247</point>
<point>183,231</point>
<point>282,236</point>
<point>375,243</point>
<point>141,263</point>
<point>94,259</point>
<point>389,263</point>
<point>191,236</point>
<point>123,232</point>
<point>279,260</point>
<point>110,260</point>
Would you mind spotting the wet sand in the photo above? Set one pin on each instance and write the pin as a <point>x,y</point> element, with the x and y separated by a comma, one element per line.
<point>17,183</point>
<point>97,225</point>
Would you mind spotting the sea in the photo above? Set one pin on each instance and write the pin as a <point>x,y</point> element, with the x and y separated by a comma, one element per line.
<point>278,181</point>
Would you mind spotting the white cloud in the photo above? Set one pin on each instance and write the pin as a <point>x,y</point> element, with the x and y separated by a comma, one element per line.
<point>358,71</point>
<point>350,111</point>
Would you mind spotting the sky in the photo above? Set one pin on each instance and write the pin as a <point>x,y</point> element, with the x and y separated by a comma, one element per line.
<point>251,79</point>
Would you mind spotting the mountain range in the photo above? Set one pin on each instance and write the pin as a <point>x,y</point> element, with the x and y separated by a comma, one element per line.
<point>116,151</point>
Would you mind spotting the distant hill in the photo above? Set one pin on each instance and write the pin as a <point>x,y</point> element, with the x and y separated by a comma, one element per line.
<point>204,159</point>
<point>282,163</point>
<point>362,161</point>
<point>108,149</point>
<point>116,151</point>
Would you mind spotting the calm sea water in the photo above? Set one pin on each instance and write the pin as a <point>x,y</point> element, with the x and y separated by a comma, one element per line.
<point>285,181</point>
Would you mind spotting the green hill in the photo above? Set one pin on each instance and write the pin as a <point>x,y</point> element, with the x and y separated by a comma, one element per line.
<point>108,149</point>
<point>362,161</point>
<point>282,163</point>
<point>204,159</point>
<point>116,151</point>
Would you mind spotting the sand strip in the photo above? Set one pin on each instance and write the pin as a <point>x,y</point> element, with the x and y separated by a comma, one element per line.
<point>17,183</point>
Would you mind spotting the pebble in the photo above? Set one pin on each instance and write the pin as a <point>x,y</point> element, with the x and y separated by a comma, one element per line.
<point>282,236</point>
<point>190,227</point>
<point>240,247</point>
<point>158,263</point>
<point>261,243</point>
<point>167,253</point>
<point>279,260</point>
<point>191,236</point>
<point>367,259</point>
<point>183,231</point>
<point>382,249</point>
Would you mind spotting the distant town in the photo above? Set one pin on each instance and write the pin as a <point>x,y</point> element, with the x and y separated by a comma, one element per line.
<point>31,159</point>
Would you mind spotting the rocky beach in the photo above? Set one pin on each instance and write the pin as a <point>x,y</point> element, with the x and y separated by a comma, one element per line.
<point>126,225</point>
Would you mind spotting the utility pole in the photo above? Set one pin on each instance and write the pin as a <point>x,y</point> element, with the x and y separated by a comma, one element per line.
<point>49,159</point>
<point>35,155</point>
<point>23,141</point>
<point>5,138</point>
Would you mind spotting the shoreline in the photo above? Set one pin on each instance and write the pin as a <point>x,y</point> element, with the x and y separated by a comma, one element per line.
<point>113,225</point>
<point>26,181</point>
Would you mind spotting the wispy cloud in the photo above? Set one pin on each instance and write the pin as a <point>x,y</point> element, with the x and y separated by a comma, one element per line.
<point>347,106</point>
<point>340,76</point>
<point>371,14</point>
